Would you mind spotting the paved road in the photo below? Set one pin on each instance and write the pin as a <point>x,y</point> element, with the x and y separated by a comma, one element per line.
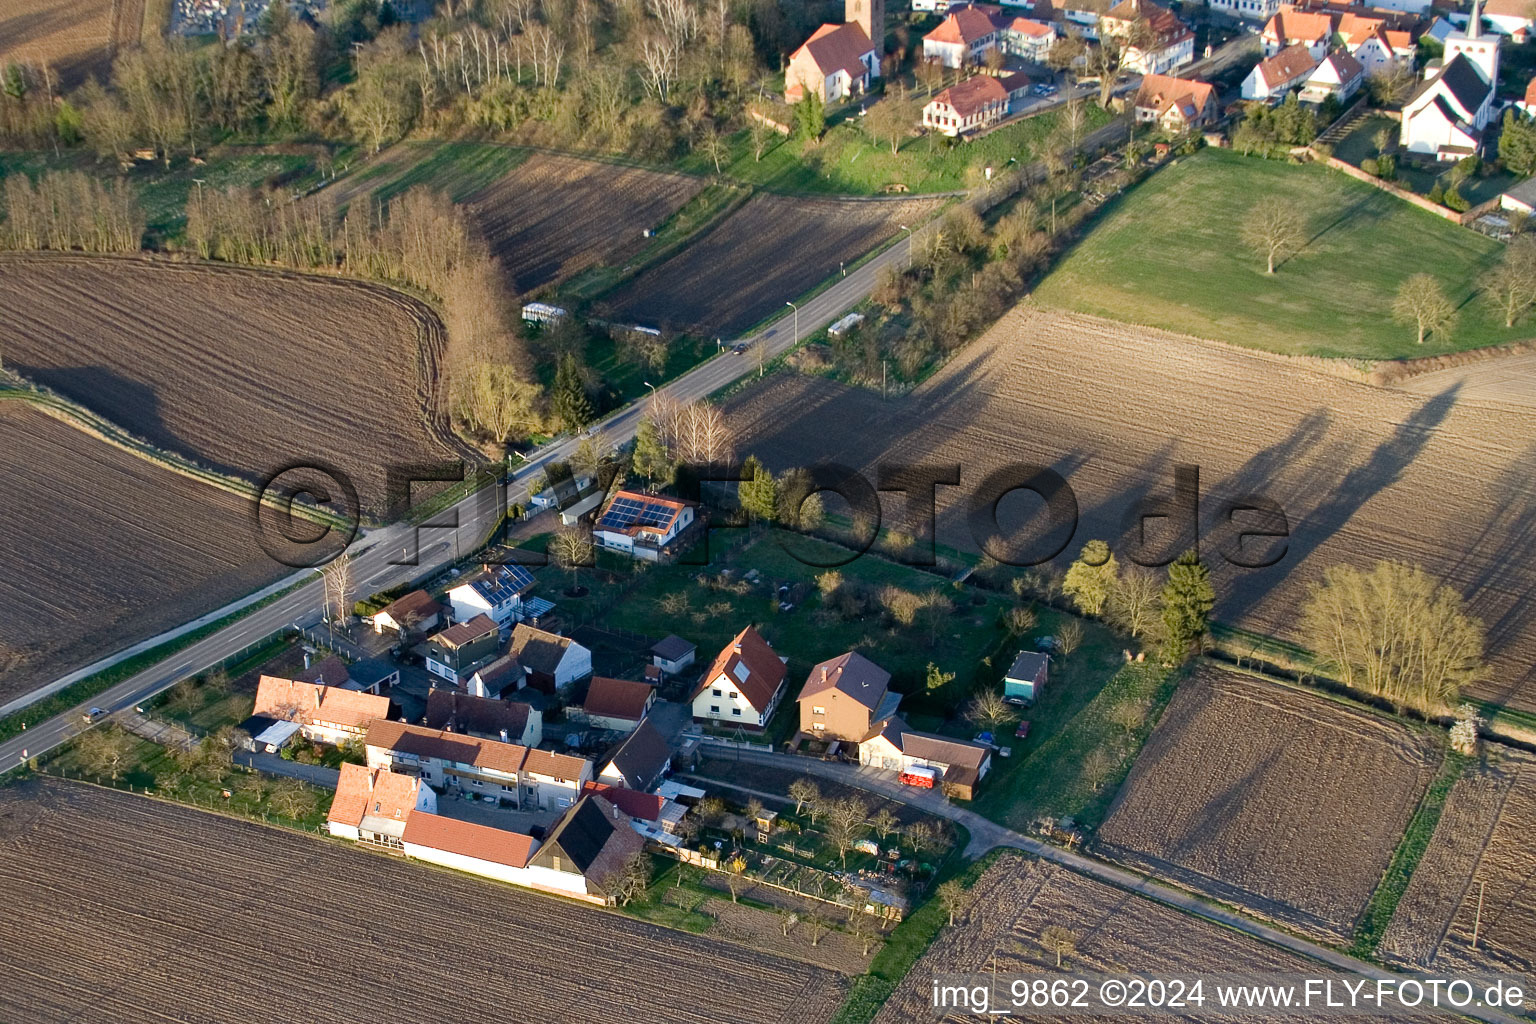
<point>987,834</point>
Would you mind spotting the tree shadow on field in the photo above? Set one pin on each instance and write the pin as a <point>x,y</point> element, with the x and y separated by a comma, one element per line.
<point>129,404</point>
<point>1382,468</point>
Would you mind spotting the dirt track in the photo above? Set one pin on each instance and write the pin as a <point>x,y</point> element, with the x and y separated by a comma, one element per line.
<point>1506,380</point>
<point>1362,473</point>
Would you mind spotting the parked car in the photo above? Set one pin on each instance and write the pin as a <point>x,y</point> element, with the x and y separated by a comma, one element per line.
<point>1022,731</point>
<point>1045,89</point>
<point>918,776</point>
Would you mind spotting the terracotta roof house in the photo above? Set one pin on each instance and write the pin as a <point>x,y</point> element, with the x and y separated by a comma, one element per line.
<point>409,615</point>
<point>1027,38</point>
<point>1275,76</point>
<point>837,61</point>
<point>589,845</point>
<point>1166,42</point>
<point>505,720</point>
<point>1339,75</point>
<point>1175,103</point>
<point>964,37</point>
<point>974,103</point>
<point>639,761</point>
<point>550,661</point>
<point>845,697</point>
<point>374,806</point>
<point>326,714</point>
<point>642,525</point>
<point>523,777</point>
<point>455,653</point>
<point>617,703</point>
<point>897,747</point>
<point>744,684</point>
<point>466,846</point>
<point>1292,27</point>
<point>1527,103</point>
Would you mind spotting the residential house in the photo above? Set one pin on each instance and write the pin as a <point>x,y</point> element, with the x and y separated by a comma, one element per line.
<point>1511,18</point>
<point>896,748</point>
<point>374,675</point>
<point>496,591</point>
<point>509,721</point>
<point>1339,75</point>
<point>744,684</point>
<point>410,615</point>
<point>838,61</point>
<point>845,698</point>
<point>1527,103</point>
<point>642,525</point>
<point>328,671</point>
<point>478,849</point>
<point>1026,677</point>
<point>1446,117</point>
<point>551,662</point>
<point>585,850</point>
<point>673,654</point>
<point>962,39</point>
<point>522,777</point>
<point>1521,198</point>
<point>1175,104</point>
<point>1275,76</point>
<point>497,678</point>
<point>1160,41</point>
<point>975,103</point>
<point>1291,26</point>
<point>639,761</point>
<point>1377,43</point>
<point>1027,38</point>
<point>456,652</point>
<point>562,493</point>
<point>374,806</point>
<point>1081,15</point>
<point>325,714</point>
<point>1249,10</point>
<point>617,704</point>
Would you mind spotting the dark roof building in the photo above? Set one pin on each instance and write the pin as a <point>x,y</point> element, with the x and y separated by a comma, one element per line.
<point>640,760</point>
<point>593,839</point>
<point>477,716</point>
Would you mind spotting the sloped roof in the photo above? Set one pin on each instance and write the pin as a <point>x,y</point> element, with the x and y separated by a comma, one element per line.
<point>1162,92</point>
<point>1459,77</point>
<point>371,671</point>
<point>593,838</point>
<point>641,756</point>
<point>963,25</point>
<point>450,711</point>
<point>1530,93</point>
<point>1508,9</point>
<point>1028,665</point>
<point>1029,27</point>
<point>462,633</point>
<point>645,806</point>
<point>500,583</point>
<point>372,792</point>
<point>1289,24</point>
<point>412,608</point>
<point>1345,67</point>
<point>972,95</point>
<point>617,698</point>
<point>630,512</point>
<point>303,702</point>
<point>851,674</point>
<point>672,647</point>
<point>465,838</point>
<point>501,673</point>
<point>1291,64</point>
<point>494,755</point>
<point>750,665</point>
<point>330,671</point>
<point>554,766</point>
<point>943,749</point>
<point>836,48</point>
<point>537,650</point>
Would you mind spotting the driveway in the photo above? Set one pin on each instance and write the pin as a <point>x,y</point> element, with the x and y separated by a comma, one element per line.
<point>270,764</point>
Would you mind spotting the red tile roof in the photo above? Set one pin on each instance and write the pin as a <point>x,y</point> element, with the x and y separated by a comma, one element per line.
<point>1029,27</point>
<point>413,607</point>
<point>1290,25</point>
<point>972,95</point>
<point>554,766</point>
<point>363,791</point>
<point>836,48</point>
<point>467,839</point>
<point>963,25</point>
<point>617,698</point>
<point>310,703</point>
<point>494,755</point>
<point>1163,92</point>
<point>1530,93</point>
<point>1291,64</point>
<point>644,806</point>
<point>764,672</point>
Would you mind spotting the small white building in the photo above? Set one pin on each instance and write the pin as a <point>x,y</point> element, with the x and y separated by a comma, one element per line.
<point>1338,75</point>
<point>550,662</point>
<point>963,39</point>
<point>744,684</point>
<point>1027,38</point>
<point>639,762</point>
<point>617,704</point>
<point>641,525</point>
<point>496,591</point>
<point>412,613</point>
<point>673,654</point>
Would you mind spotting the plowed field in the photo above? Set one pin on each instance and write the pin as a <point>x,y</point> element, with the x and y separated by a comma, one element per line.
<point>1274,799</point>
<point>104,548</point>
<point>170,913</point>
<point>73,37</point>
<point>245,370</point>
<point>1361,472</point>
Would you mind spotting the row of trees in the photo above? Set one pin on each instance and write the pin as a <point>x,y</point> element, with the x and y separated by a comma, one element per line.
<point>70,210</point>
<point>1172,612</point>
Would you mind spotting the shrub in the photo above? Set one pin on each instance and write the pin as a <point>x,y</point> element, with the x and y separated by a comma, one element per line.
<point>1456,201</point>
<point>1370,166</point>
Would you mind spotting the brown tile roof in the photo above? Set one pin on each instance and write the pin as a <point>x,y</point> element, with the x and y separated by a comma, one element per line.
<point>972,95</point>
<point>459,712</point>
<point>1307,26</point>
<point>963,25</point>
<point>465,838</point>
<point>851,674</point>
<point>1029,27</point>
<point>1291,64</point>
<point>412,608</point>
<point>537,650</point>
<point>617,698</point>
<point>645,806</point>
<point>331,671</point>
<point>462,633</point>
<point>1508,8</point>
<point>363,791</point>
<point>955,753</point>
<point>838,48</point>
<point>1530,93</point>
<point>554,766</point>
<point>1163,92</point>
<point>1345,67</point>
<point>308,703</point>
<point>750,666</point>
<point>494,755</point>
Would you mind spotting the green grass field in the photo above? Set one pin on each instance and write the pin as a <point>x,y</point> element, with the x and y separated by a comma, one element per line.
<point>1169,254</point>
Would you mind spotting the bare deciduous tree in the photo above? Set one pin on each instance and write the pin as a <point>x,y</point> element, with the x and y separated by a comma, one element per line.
<point>571,548</point>
<point>846,819</point>
<point>954,898</point>
<point>1512,285</point>
<point>988,710</point>
<point>1133,602</point>
<point>1422,304</point>
<point>633,879</point>
<point>1058,940</point>
<point>1069,637</point>
<point>337,579</point>
<point>804,793</point>
<point>1276,230</point>
<point>104,751</point>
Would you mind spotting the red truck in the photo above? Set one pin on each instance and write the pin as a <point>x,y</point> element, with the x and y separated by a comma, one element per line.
<point>919,776</point>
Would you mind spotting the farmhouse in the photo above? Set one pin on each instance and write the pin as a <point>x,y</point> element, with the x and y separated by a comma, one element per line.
<point>642,525</point>
<point>1027,38</point>
<point>963,38</point>
<point>1446,116</point>
<point>1175,103</point>
<point>409,615</point>
<point>838,60</point>
<point>639,761</point>
<point>744,684</point>
<point>673,654</point>
<point>617,704</point>
<point>896,747</point>
<point>465,846</point>
<point>845,698</point>
<point>325,714</point>
<point>456,652</point>
<point>373,806</point>
<point>1339,75</point>
<point>1167,42</point>
<point>1275,76</point>
<point>1026,677</point>
<point>585,850</point>
<point>550,661</point>
<point>498,678</point>
<point>496,591</point>
<point>528,779</point>
<point>509,721</point>
<point>974,103</point>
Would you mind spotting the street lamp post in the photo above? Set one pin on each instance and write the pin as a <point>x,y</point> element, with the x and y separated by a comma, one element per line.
<point>652,387</point>
<point>796,308</point>
<point>909,244</point>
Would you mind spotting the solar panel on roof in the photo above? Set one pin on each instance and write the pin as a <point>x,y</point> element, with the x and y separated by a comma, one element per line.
<point>625,512</point>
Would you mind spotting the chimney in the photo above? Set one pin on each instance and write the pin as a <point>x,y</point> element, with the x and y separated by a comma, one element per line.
<point>504,736</point>
<point>372,777</point>
<point>318,688</point>
<point>823,673</point>
<point>306,659</point>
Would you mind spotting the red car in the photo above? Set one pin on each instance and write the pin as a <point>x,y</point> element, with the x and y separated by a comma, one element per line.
<point>1023,730</point>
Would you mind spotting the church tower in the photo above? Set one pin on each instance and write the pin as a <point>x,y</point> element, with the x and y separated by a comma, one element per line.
<point>870,15</point>
<point>1479,48</point>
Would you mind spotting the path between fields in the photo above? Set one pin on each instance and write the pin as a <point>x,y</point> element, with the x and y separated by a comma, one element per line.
<point>314,774</point>
<point>987,834</point>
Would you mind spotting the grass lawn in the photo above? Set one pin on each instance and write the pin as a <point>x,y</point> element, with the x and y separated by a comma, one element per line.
<point>1360,144</point>
<point>458,169</point>
<point>1169,254</point>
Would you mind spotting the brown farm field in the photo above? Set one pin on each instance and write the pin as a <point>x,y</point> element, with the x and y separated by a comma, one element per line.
<point>1481,846</point>
<point>73,37</point>
<point>116,548</point>
<point>1116,933</point>
<point>773,249</point>
<point>1361,472</point>
<point>248,371</point>
<point>171,913</point>
<point>1277,800</point>
<point>554,216</point>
